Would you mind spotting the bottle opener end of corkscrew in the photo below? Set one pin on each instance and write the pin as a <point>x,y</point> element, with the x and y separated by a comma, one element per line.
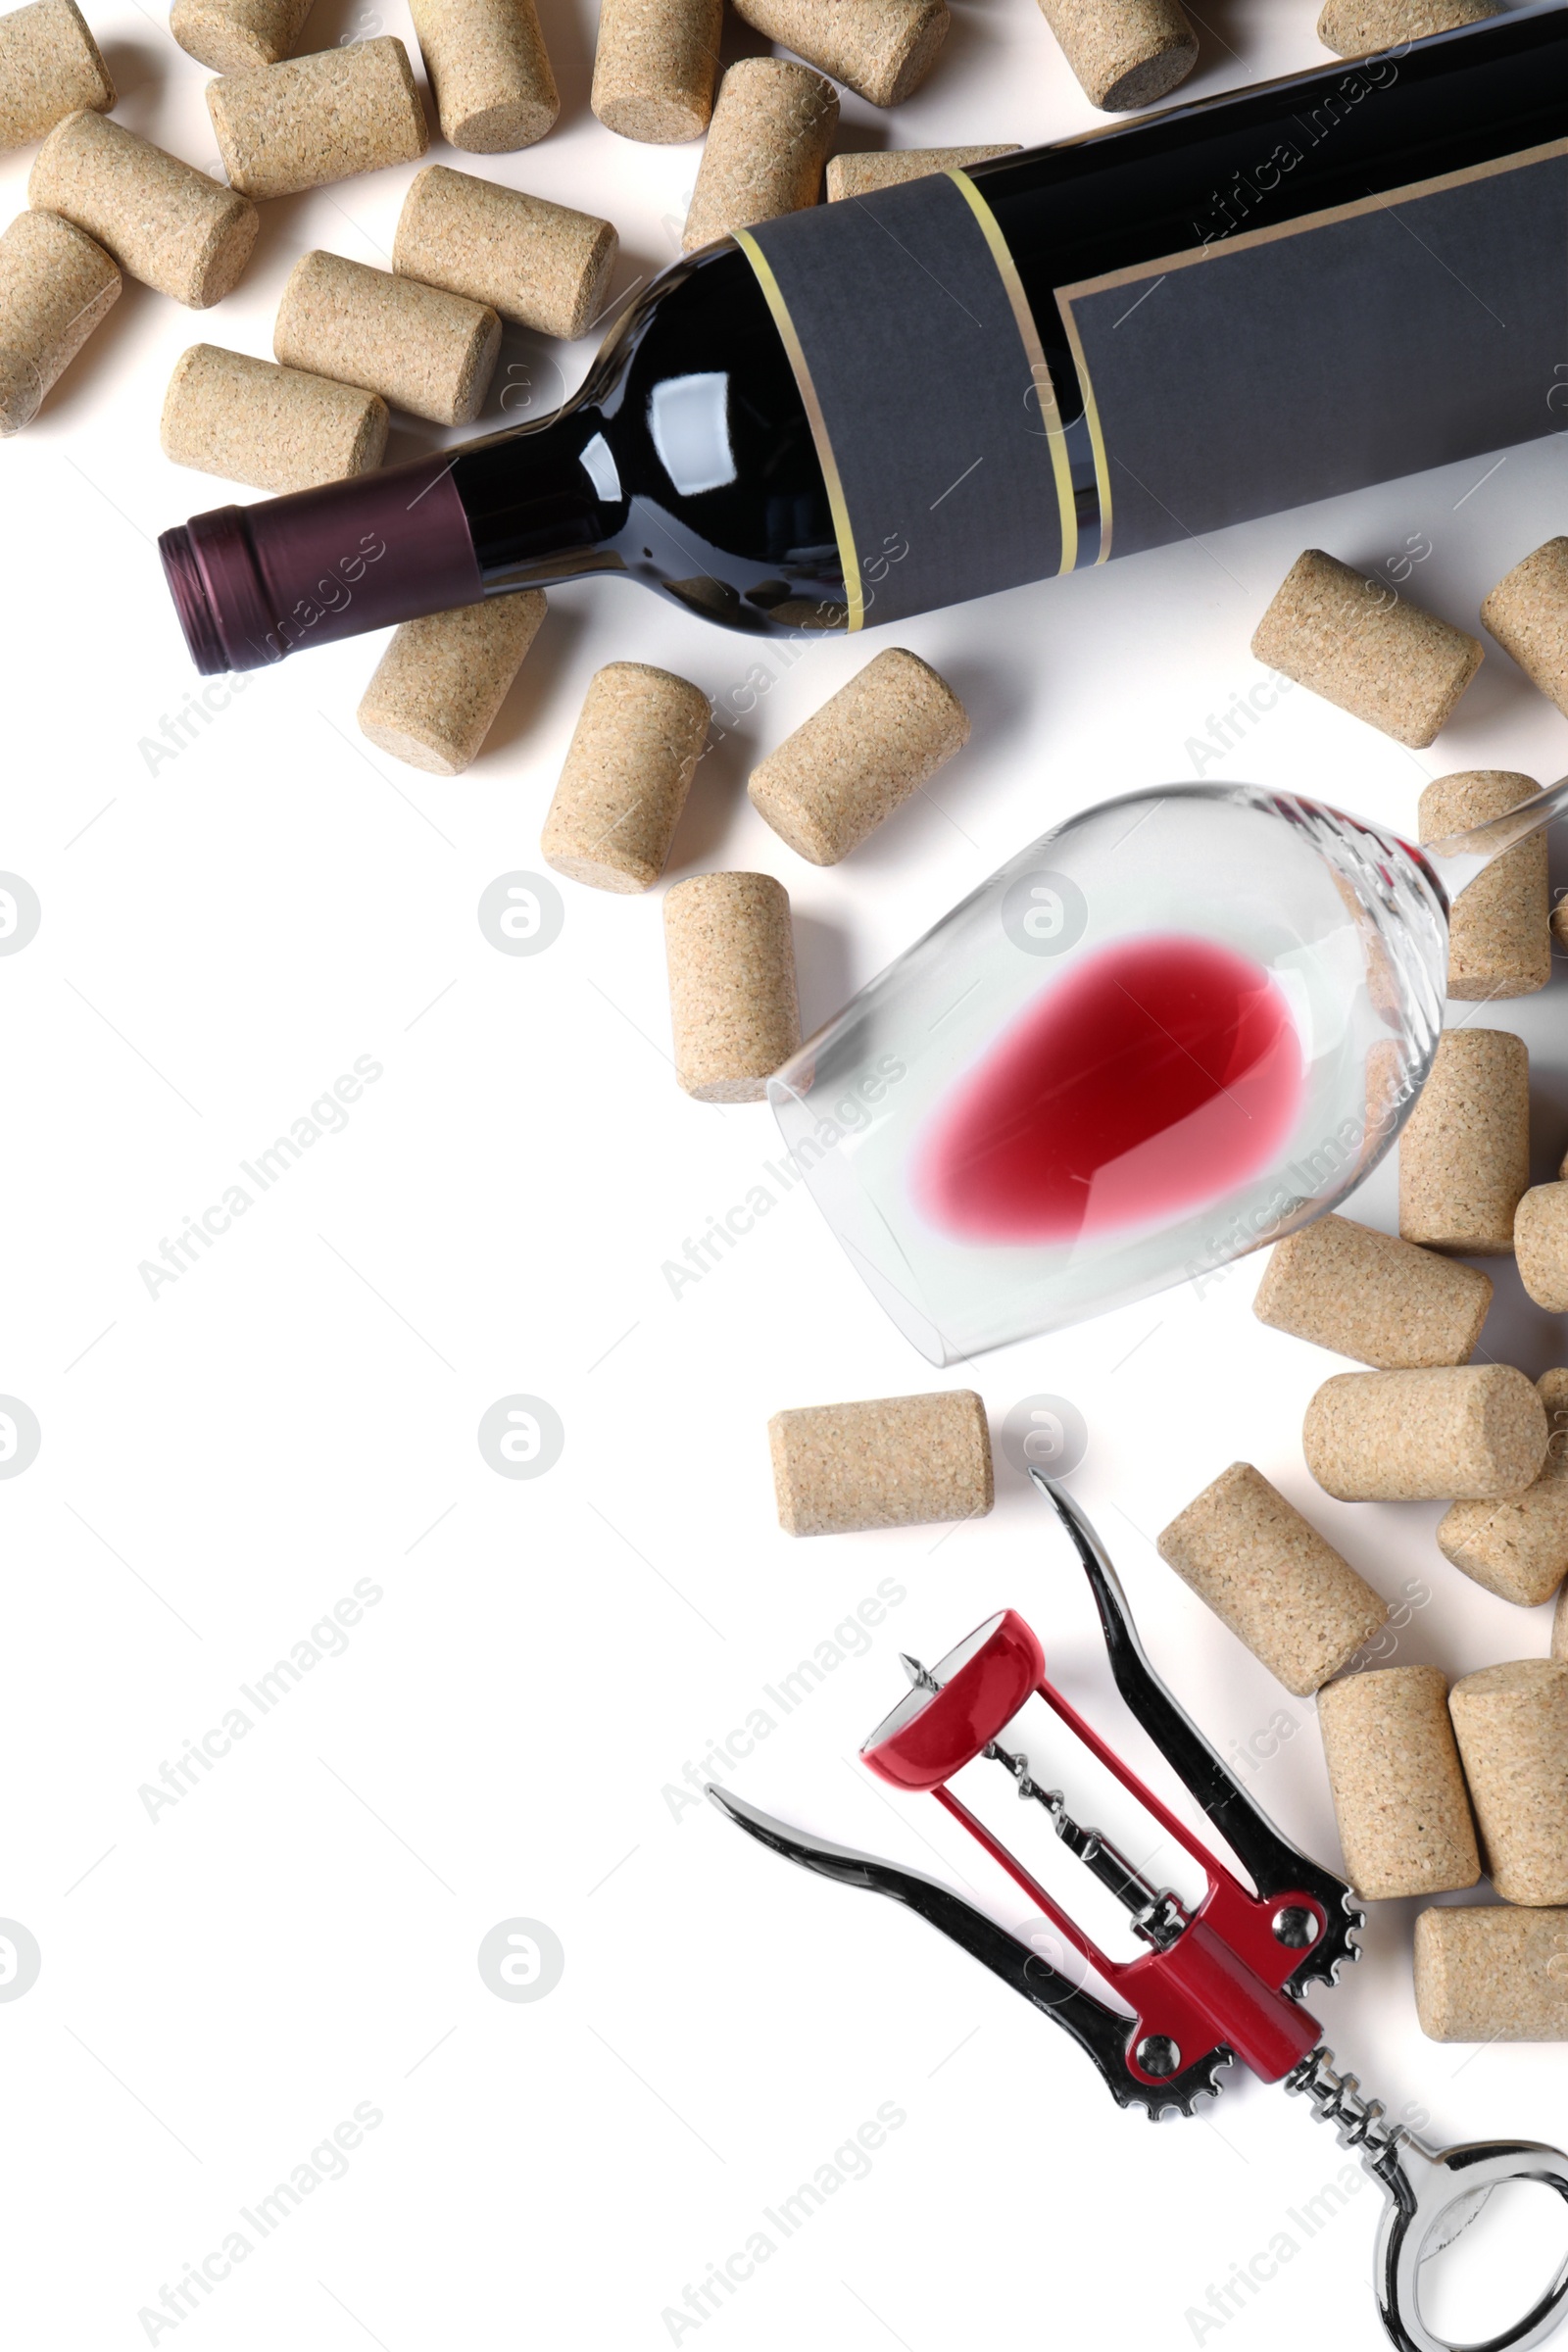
<point>1433,2197</point>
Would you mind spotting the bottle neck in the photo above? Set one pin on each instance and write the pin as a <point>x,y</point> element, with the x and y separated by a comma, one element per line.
<point>254,583</point>
<point>543,501</point>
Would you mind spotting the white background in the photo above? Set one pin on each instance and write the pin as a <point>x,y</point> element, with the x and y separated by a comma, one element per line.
<point>222,934</point>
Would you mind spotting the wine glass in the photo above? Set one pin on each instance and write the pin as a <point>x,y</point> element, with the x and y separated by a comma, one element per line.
<point>1179,1025</point>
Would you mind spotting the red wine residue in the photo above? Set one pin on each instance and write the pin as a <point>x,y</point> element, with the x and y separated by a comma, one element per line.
<point>1159,1073</point>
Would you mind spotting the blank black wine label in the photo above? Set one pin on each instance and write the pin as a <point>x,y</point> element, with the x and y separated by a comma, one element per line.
<point>934,416</point>
<point>1261,371</point>
<point>1351,346</point>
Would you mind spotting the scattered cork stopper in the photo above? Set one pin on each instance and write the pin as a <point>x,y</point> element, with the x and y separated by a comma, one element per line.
<point>1362,646</point>
<point>1541,1245</point>
<point>429,352</point>
<point>1528,615</point>
<point>1512,1723</point>
<point>893,1461</point>
<point>1421,1436</point>
<point>882,53</point>
<point>1267,1574</point>
<point>315,120</point>
<point>655,66</point>
<point>1356,28</point>
<point>1518,1547</point>
<point>627,772</point>
<point>733,1008</point>
<point>491,78</point>
<point>230,35</point>
<point>55,287</point>
<point>538,264</point>
<point>1399,1793</point>
<point>436,691</point>
<point>49,65</point>
<point>165,225</point>
<point>862,175</point>
<point>854,761</point>
<point>1464,1156</point>
<point>766,146</point>
<point>1559,1627</point>
<point>1368,1294</point>
<point>273,427</point>
<point>1498,1974</point>
<point>1499,939</point>
<point>1125,53</point>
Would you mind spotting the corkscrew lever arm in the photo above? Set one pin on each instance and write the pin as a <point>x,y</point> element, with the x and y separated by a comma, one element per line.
<point>1273,1863</point>
<point>1099,2031</point>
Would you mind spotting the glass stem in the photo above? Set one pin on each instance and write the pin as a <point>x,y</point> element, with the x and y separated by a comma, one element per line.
<point>1458,857</point>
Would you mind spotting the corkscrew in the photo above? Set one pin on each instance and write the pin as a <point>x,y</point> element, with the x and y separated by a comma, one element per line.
<point>1219,1979</point>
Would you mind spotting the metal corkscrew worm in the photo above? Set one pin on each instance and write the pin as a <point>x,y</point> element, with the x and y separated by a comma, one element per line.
<point>1218,1980</point>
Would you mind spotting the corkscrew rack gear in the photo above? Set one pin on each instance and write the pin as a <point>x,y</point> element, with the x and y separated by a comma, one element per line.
<point>1221,1979</point>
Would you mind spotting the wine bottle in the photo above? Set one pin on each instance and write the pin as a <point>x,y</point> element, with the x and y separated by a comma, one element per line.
<point>983,378</point>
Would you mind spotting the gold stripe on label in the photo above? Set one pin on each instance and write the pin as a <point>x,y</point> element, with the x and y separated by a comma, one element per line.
<point>773,295</point>
<point>1034,353</point>
<point>1096,438</point>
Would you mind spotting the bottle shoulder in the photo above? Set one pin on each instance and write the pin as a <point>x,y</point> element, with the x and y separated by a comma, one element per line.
<point>686,459</point>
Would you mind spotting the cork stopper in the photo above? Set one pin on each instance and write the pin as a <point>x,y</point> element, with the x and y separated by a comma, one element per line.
<point>1367,1295</point>
<point>273,427</point>
<point>766,145</point>
<point>893,1461</point>
<point>1267,1574</point>
<point>230,35</point>
<point>1541,1245</point>
<point>315,120</point>
<point>49,67</point>
<point>1356,28</point>
<point>882,53</point>
<point>1559,1627</point>
<point>628,770</point>
<point>1496,1973</point>
<point>1125,53</point>
<point>436,691</point>
<point>655,66</point>
<point>1518,1548</point>
<point>429,352</point>
<point>165,225</point>
<point>1399,1793</point>
<point>488,71</point>
<point>1420,1437</point>
<point>733,1007</point>
<point>1499,942</point>
<point>862,174</point>
<point>55,287</point>
<point>539,264</point>
<point>854,761</point>
<point>1364,647</point>
<point>1528,615</point>
<point>1464,1156</point>
<point>1513,1727</point>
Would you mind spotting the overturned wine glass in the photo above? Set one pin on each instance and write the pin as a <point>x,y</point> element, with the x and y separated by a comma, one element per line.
<point>1179,1025</point>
